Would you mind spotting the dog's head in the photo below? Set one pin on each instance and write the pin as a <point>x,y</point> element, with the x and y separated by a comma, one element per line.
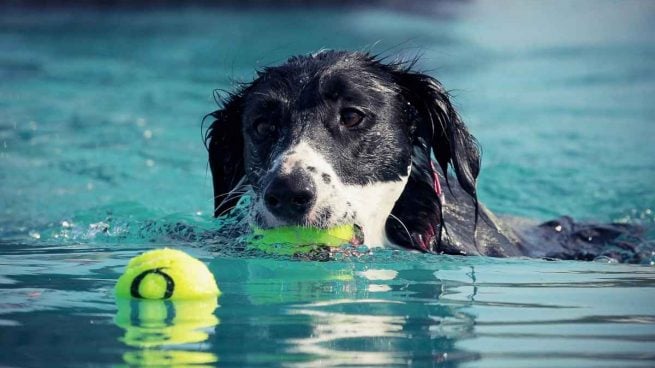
<point>341,138</point>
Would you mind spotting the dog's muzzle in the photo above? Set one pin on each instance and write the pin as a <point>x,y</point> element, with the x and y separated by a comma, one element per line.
<point>290,196</point>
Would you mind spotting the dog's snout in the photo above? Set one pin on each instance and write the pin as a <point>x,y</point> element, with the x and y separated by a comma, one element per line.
<point>290,196</point>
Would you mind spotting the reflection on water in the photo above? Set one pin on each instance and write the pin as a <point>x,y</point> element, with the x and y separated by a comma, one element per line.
<point>101,157</point>
<point>168,358</point>
<point>330,328</point>
<point>446,311</point>
<point>340,313</point>
<point>162,328</point>
<point>385,308</point>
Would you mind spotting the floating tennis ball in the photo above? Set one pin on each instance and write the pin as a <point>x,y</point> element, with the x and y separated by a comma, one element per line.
<point>166,274</point>
<point>289,240</point>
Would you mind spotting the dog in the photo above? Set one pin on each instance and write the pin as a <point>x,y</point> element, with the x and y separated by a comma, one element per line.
<point>340,137</point>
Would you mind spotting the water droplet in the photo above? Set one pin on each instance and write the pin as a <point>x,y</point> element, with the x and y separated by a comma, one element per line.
<point>150,163</point>
<point>34,234</point>
<point>147,134</point>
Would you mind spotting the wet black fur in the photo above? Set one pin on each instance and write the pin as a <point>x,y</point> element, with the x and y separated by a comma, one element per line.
<point>414,120</point>
<point>420,110</point>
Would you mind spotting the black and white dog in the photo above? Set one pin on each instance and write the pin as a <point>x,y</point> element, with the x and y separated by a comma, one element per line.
<point>343,138</point>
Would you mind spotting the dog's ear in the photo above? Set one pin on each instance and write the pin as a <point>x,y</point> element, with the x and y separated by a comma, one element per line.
<point>224,142</point>
<point>440,127</point>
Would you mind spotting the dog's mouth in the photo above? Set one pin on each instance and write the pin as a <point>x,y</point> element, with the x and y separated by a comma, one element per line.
<point>321,218</point>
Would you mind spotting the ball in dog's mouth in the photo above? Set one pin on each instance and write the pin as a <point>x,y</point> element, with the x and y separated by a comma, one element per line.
<point>292,240</point>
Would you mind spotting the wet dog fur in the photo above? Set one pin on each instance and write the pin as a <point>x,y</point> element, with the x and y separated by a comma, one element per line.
<point>342,137</point>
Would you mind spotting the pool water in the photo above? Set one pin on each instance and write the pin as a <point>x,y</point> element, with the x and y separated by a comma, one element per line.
<point>101,158</point>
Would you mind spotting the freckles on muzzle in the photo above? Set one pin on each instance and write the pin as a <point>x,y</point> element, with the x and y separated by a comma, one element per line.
<point>302,188</point>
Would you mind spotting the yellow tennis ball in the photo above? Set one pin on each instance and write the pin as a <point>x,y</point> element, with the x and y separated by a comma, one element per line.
<point>289,240</point>
<point>166,274</point>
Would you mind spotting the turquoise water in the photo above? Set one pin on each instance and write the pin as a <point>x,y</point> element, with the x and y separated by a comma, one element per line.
<point>101,158</point>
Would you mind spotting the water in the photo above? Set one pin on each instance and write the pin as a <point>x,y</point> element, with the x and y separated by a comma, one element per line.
<point>101,158</point>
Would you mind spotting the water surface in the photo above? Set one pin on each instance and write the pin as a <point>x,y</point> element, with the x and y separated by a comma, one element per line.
<point>101,158</point>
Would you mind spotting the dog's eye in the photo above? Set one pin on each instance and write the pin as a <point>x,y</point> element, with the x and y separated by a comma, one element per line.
<point>264,128</point>
<point>350,118</point>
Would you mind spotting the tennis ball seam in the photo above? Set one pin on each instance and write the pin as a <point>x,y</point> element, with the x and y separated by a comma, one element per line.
<point>136,283</point>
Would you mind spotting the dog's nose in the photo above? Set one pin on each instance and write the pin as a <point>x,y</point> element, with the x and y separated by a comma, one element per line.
<point>290,196</point>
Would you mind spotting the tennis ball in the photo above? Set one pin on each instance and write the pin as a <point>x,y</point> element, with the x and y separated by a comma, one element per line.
<point>289,240</point>
<point>166,274</point>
